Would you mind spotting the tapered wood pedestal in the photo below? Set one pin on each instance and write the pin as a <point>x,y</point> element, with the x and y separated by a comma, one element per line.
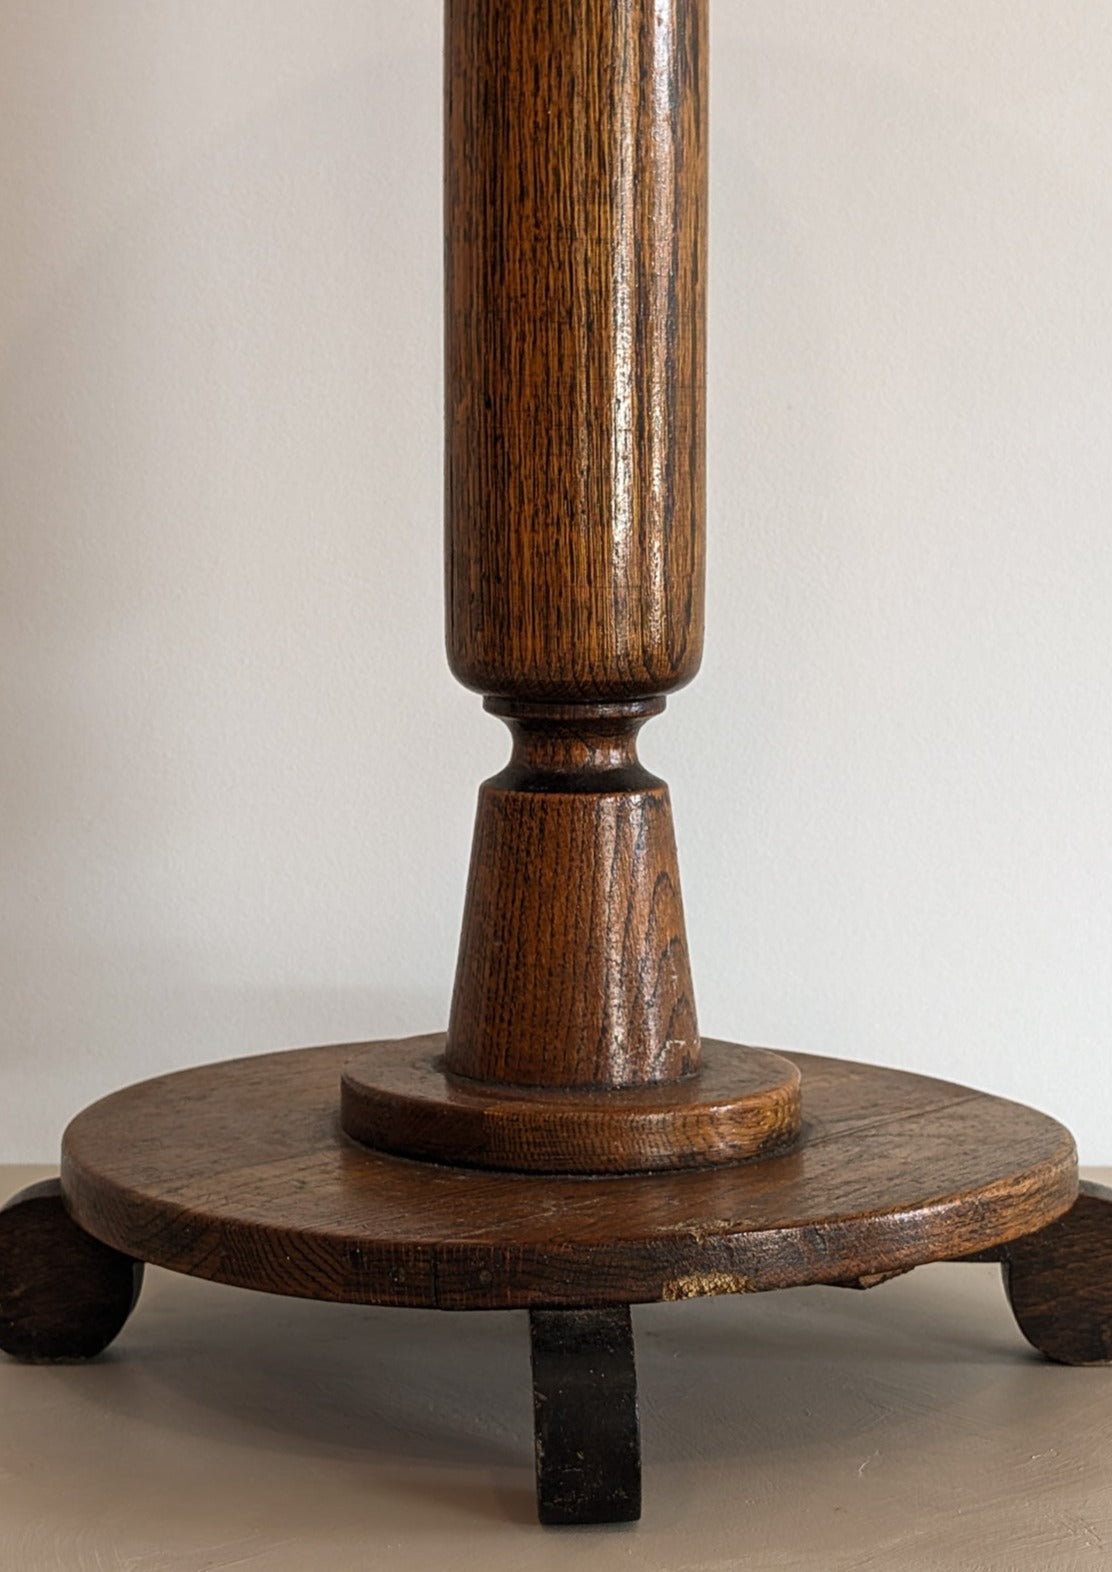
<point>241,1173</point>
<point>572,1145</point>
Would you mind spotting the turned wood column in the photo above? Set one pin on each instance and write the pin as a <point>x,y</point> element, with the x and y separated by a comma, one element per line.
<point>575,191</point>
<point>575,216</point>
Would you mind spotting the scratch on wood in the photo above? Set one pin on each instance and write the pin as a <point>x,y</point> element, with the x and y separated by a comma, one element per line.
<point>700,1229</point>
<point>699,1285</point>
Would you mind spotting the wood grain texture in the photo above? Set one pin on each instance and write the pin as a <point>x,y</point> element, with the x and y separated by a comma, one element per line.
<point>63,1295</point>
<point>239,1172</point>
<point>587,1433</point>
<point>573,967</point>
<point>575,217</point>
<point>743,1105</point>
<point>1059,1282</point>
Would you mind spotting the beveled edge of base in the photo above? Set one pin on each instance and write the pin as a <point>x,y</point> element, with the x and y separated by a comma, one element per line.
<point>743,1104</point>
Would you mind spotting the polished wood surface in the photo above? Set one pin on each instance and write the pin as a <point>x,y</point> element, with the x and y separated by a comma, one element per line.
<point>744,1105</point>
<point>64,1295</point>
<point>239,1172</point>
<point>573,968</point>
<point>575,246</point>
<point>575,218</point>
<point>574,318</point>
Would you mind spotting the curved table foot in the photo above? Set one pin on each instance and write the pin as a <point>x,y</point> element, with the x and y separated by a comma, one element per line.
<point>1059,1282</point>
<point>588,1441</point>
<point>63,1294</point>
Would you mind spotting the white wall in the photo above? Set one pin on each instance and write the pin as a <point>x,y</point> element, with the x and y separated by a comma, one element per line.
<point>238,781</point>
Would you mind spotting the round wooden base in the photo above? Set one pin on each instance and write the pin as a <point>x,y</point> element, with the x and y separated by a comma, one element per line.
<point>241,1172</point>
<point>743,1103</point>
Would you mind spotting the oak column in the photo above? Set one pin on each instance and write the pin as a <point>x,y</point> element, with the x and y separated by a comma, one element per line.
<point>575,240</point>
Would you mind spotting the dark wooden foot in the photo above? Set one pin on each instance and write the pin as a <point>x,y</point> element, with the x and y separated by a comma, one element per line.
<point>63,1294</point>
<point>1059,1282</point>
<point>588,1439</point>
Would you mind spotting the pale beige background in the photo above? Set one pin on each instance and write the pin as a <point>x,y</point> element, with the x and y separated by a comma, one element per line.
<point>238,781</point>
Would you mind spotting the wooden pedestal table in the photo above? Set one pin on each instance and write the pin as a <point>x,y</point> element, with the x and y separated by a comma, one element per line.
<point>571,1146</point>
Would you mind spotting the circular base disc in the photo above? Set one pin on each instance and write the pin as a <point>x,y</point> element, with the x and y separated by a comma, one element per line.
<point>743,1103</point>
<point>240,1172</point>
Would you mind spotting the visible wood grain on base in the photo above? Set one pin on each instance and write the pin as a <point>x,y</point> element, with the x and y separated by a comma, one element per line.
<point>1059,1282</point>
<point>239,1172</point>
<point>63,1294</point>
<point>586,1429</point>
<point>743,1104</point>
